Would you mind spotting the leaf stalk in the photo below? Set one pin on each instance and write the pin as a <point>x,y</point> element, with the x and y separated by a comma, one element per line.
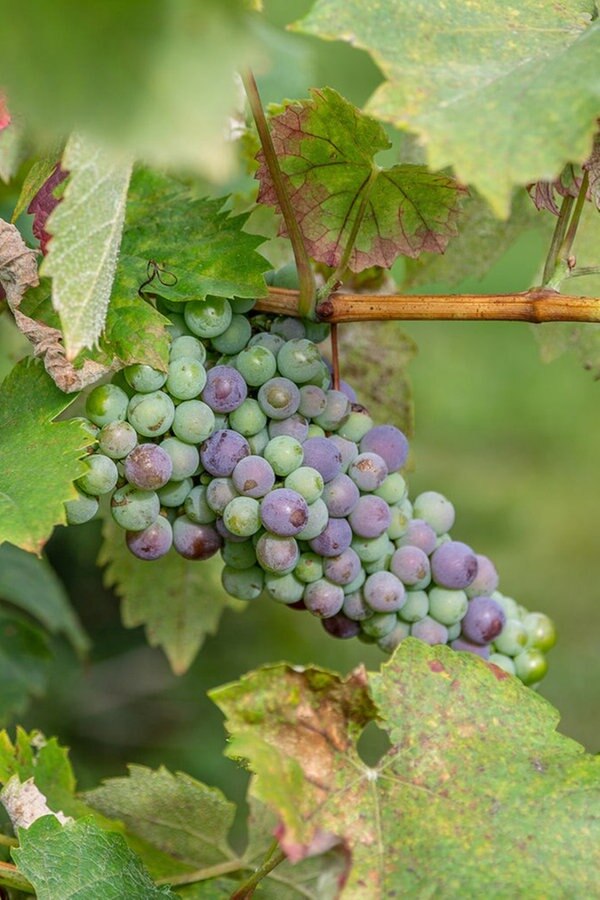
<point>271,860</point>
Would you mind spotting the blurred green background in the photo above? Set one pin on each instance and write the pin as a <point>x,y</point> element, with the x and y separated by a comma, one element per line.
<point>513,442</point>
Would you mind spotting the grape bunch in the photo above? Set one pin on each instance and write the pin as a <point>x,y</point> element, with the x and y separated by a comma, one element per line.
<point>244,447</point>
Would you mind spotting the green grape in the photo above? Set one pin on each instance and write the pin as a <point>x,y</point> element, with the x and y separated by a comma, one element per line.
<point>101,476</point>
<point>401,516</point>
<point>134,510</point>
<point>392,489</point>
<point>193,421</point>
<point>258,442</point>
<point>453,631</point>
<point>242,305</point>
<point>81,509</point>
<point>185,458</point>
<point>393,638</point>
<point>106,403</point>
<point>235,337</point>
<point>208,318</point>
<point>186,377</point>
<point>379,624</point>
<point>370,549</point>
<point>509,605</point>
<point>241,516</point>
<point>513,638</point>
<point>285,277</point>
<point>530,665</point>
<point>196,508</point>
<point>315,431</point>
<point>174,493</point>
<point>117,439</point>
<point>356,426</point>
<point>144,379</point>
<point>318,516</point>
<point>355,585</point>
<point>272,342</point>
<point>446,606</point>
<point>382,563</point>
<point>256,364</point>
<point>285,454</point>
<point>220,492</point>
<point>299,360</point>
<point>503,662</point>
<point>238,554</point>
<point>151,414</point>
<point>540,630</point>
<point>317,331</point>
<point>309,567</point>
<point>284,588</point>
<point>187,345</point>
<point>245,584</point>
<point>288,327</point>
<point>307,482</point>
<point>416,606</point>
<point>177,327</point>
<point>248,418</point>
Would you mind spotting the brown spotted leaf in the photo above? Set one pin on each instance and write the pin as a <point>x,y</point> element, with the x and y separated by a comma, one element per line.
<point>475,772</point>
<point>326,150</point>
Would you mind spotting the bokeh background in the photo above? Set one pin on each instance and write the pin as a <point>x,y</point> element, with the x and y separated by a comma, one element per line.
<point>514,443</point>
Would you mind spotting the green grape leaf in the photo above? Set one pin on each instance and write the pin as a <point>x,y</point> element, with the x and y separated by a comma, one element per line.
<point>31,755</point>
<point>86,229</point>
<point>504,93</point>
<point>395,350</point>
<point>39,458</point>
<point>179,602</point>
<point>24,663</point>
<point>152,78</point>
<point>199,247</point>
<point>32,584</point>
<point>475,769</point>
<point>11,151</point>
<point>482,241</point>
<point>37,175</point>
<point>82,860</point>
<point>342,199</point>
<point>188,822</point>
<point>582,339</point>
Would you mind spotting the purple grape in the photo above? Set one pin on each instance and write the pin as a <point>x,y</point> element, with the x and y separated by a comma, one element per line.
<point>279,398</point>
<point>226,534</point>
<point>340,496</point>
<point>411,566</point>
<point>348,391</point>
<point>339,626</point>
<point>194,541</point>
<point>454,565</point>
<point>219,492</point>
<point>348,450</point>
<point>355,606</point>
<point>321,454</point>
<point>284,512</point>
<point>430,631</point>
<point>313,400</point>
<point>153,542</point>
<point>324,599</point>
<point>342,569</point>
<point>295,426</point>
<point>334,539</point>
<point>253,476</point>
<point>277,554</point>
<point>461,643</point>
<point>368,471</point>
<point>148,467</point>
<point>384,592</point>
<point>225,389</point>
<point>389,443</point>
<point>486,581</point>
<point>222,452</point>
<point>483,621</point>
<point>419,534</point>
<point>370,517</point>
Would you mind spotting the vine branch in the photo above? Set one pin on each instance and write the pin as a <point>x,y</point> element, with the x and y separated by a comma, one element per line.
<point>535,305</point>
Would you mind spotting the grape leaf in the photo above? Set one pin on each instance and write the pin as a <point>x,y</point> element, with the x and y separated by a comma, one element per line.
<point>34,181</point>
<point>506,94</point>
<point>179,602</point>
<point>341,198</point>
<point>201,249</point>
<point>32,585</point>
<point>395,349</point>
<point>24,660</point>
<point>86,229</point>
<point>475,769</point>
<point>592,165</point>
<point>39,458</point>
<point>81,860</point>
<point>543,193</point>
<point>11,151</point>
<point>179,816</point>
<point>45,200</point>
<point>154,78</point>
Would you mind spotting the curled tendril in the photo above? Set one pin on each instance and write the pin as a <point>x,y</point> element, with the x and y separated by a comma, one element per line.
<point>154,270</point>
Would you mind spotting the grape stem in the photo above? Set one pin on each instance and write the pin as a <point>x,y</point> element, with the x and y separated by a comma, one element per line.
<point>536,305</point>
<point>335,358</point>
<point>272,859</point>
<point>308,291</point>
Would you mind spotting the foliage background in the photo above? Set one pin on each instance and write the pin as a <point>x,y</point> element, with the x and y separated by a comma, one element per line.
<point>513,442</point>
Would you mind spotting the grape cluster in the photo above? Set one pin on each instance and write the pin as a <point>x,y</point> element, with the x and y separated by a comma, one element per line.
<point>244,446</point>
